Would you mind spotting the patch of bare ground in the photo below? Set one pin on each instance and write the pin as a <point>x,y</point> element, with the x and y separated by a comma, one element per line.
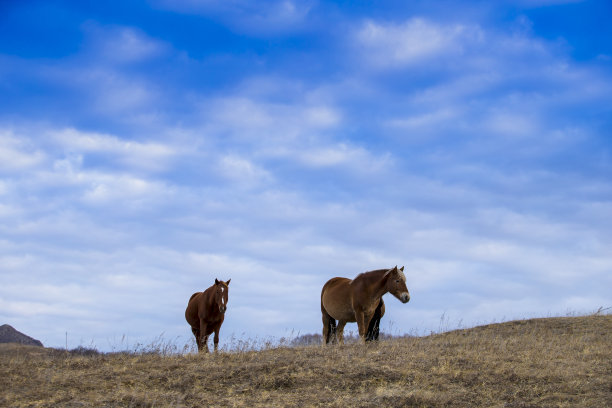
<point>552,362</point>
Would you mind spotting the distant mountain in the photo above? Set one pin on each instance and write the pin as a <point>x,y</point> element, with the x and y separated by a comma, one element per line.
<point>9,335</point>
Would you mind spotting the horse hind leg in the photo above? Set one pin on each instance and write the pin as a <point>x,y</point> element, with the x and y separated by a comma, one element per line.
<point>373,330</point>
<point>196,334</point>
<point>340,331</point>
<point>329,328</point>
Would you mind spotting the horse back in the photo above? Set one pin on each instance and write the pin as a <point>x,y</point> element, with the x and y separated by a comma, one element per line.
<point>335,285</point>
<point>194,295</point>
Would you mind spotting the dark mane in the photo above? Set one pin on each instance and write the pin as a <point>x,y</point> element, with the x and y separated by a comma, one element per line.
<point>371,275</point>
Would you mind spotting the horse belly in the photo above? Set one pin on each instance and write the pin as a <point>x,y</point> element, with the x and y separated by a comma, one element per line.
<point>340,310</point>
<point>346,315</point>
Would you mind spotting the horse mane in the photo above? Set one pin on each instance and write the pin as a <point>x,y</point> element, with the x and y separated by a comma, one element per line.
<point>371,275</point>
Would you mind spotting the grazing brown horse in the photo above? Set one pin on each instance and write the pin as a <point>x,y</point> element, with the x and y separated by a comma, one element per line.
<point>360,300</point>
<point>205,313</point>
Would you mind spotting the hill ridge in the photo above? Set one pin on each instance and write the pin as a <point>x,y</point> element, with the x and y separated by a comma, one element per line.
<point>8,334</point>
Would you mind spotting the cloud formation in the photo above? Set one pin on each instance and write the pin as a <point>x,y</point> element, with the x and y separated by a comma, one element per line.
<point>310,142</point>
<point>415,41</point>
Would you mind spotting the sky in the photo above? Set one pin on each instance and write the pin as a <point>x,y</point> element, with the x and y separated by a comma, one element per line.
<point>149,147</point>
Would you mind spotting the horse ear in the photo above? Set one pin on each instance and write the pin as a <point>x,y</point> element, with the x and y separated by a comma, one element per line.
<point>228,281</point>
<point>402,269</point>
<point>216,281</point>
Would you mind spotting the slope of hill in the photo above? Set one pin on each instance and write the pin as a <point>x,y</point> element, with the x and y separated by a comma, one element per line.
<point>9,335</point>
<point>553,362</point>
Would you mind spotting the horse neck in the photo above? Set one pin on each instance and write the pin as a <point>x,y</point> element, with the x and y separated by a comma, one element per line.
<point>376,282</point>
<point>209,300</point>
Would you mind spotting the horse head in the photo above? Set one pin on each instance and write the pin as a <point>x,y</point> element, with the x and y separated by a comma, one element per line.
<point>396,284</point>
<point>221,289</point>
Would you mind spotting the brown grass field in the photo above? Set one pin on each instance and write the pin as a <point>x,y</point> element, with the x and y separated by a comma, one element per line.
<point>550,362</point>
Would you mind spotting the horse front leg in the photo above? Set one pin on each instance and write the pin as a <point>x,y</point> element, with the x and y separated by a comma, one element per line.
<point>216,338</point>
<point>203,342</point>
<point>363,320</point>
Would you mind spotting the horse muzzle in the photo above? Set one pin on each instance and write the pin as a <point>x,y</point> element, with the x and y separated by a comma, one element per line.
<point>222,309</point>
<point>404,297</point>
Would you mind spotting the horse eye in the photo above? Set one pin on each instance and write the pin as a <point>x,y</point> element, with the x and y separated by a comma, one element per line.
<point>397,281</point>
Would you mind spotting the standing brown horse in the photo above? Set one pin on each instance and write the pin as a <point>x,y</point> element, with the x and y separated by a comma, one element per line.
<point>360,300</point>
<point>205,313</point>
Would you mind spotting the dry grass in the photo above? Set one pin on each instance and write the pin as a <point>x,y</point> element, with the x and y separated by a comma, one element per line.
<point>553,362</point>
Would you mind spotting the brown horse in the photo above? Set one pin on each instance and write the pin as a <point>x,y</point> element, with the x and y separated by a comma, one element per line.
<point>205,313</point>
<point>360,300</point>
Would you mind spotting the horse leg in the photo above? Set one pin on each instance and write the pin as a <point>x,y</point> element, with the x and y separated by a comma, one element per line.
<point>196,333</point>
<point>363,321</point>
<point>216,338</point>
<point>374,326</point>
<point>204,343</point>
<point>203,337</point>
<point>340,331</point>
<point>325,319</point>
<point>329,327</point>
<point>359,318</point>
<point>373,329</point>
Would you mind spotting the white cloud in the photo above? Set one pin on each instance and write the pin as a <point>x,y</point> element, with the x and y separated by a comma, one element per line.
<point>321,116</point>
<point>261,18</point>
<point>96,88</point>
<point>17,154</point>
<point>514,125</point>
<point>120,44</point>
<point>419,124</point>
<point>103,189</point>
<point>262,122</point>
<point>413,42</point>
<point>355,158</point>
<point>148,155</point>
<point>299,133</point>
<point>542,3</point>
<point>242,170</point>
<point>113,93</point>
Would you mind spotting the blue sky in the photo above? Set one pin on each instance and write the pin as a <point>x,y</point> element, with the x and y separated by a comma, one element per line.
<point>149,147</point>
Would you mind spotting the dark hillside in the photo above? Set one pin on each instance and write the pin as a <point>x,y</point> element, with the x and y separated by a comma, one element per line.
<point>9,335</point>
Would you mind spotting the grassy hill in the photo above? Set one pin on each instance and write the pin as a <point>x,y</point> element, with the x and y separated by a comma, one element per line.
<point>552,362</point>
